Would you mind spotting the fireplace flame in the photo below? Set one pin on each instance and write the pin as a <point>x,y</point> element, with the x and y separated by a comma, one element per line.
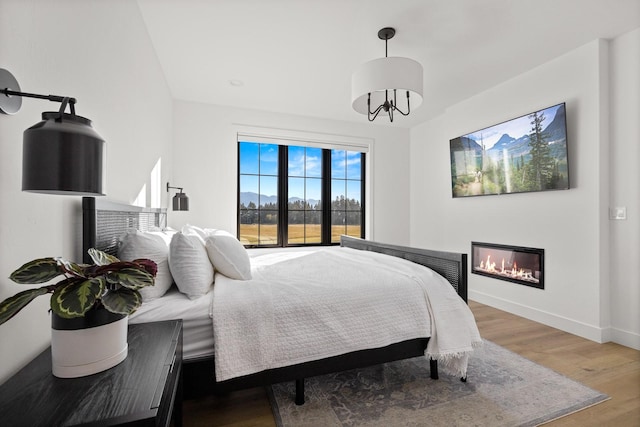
<point>490,267</point>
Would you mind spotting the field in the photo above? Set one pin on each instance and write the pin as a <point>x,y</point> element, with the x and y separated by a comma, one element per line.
<point>268,233</point>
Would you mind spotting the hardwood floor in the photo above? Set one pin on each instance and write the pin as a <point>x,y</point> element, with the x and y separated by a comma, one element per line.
<point>608,368</point>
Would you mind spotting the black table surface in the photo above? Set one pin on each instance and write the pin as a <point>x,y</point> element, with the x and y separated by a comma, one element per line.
<point>128,392</point>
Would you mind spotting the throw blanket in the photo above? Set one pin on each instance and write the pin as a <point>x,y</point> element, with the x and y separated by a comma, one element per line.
<point>334,301</point>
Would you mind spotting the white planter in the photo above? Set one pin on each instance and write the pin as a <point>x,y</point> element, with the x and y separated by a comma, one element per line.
<point>78,350</point>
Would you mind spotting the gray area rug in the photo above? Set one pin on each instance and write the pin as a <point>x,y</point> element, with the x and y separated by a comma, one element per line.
<point>503,389</point>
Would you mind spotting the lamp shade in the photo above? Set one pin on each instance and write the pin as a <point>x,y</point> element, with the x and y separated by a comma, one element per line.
<point>180,202</point>
<point>382,74</point>
<point>62,154</point>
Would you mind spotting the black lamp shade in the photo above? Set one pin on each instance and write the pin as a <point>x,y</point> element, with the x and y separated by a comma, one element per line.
<point>62,154</point>
<point>180,202</point>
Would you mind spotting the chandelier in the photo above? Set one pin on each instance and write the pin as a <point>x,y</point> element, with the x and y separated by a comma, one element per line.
<point>382,81</point>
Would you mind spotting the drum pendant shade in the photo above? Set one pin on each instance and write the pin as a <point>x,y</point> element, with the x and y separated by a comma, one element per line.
<point>378,75</point>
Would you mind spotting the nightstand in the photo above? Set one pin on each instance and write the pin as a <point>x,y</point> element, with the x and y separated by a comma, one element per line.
<point>144,390</point>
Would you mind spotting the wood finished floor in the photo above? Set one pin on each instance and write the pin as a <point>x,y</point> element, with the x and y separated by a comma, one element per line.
<point>609,368</point>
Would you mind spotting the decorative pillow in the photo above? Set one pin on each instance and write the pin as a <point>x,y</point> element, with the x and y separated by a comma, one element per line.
<point>190,265</point>
<point>191,230</point>
<point>164,235</point>
<point>135,244</point>
<point>227,255</point>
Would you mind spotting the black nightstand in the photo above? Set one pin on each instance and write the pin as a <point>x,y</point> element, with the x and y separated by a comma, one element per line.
<point>144,390</point>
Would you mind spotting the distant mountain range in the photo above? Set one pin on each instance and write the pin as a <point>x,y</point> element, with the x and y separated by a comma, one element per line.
<point>517,147</point>
<point>247,197</point>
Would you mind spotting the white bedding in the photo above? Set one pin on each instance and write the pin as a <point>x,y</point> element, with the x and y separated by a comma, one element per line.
<point>197,333</point>
<point>331,302</point>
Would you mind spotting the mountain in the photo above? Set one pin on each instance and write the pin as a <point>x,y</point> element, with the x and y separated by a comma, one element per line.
<point>503,142</point>
<point>516,147</point>
<point>556,129</point>
<point>464,143</point>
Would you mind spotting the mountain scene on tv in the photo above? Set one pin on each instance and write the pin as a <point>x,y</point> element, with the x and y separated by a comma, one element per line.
<point>524,154</point>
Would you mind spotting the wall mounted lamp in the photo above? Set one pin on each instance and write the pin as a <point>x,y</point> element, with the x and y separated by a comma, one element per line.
<point>62,154</point>
<point>180,200</point>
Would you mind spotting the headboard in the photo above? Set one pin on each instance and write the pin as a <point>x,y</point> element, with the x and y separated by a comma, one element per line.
<point>103,222</point>
<point>450,265</point>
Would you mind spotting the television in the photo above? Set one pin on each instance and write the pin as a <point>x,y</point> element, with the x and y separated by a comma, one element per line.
<point>525,154</point>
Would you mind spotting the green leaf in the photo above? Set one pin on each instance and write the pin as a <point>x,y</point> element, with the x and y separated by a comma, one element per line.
<point>12,305</point>
<point>72,267</point>
<point>131,277</point>
<point>101,258</point>
<point>37,271</point>
<point>75,297</point>
<point>122,301</point>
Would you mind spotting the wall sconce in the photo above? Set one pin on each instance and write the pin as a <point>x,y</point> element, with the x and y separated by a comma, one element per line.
<point>180,200</point>
<point>62,154</point>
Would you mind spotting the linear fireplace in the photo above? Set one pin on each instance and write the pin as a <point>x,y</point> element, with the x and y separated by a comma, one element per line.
<point>511,263</point>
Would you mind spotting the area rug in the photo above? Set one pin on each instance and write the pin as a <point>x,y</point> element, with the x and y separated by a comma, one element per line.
<point>503,389</point>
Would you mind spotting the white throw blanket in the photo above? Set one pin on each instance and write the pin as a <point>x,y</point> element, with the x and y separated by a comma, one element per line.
<point>330,302</point>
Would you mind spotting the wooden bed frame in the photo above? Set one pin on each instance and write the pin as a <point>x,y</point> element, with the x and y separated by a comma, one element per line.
<point>104,222</point>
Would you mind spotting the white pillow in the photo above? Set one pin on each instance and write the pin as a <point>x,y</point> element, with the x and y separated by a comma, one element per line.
<point>190,230</point>
<point>228,256</point>
<point>164,235</point>
<point>135,244</point>
<point>190,265</point>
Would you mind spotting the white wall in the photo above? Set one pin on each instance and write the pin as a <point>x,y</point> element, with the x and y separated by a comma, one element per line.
<point>625,185</point>
<point>99,53</point>
<point>205,164</point>
<point>583,294</point>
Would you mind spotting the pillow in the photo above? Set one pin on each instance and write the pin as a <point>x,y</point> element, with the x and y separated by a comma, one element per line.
<point>190,230</point>
<point>228,256</point>
<point>164,235</point>
<point>135,244</point>
<point>190,265</point>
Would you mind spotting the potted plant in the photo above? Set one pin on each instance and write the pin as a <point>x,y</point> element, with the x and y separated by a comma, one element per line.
<point>89,307</point>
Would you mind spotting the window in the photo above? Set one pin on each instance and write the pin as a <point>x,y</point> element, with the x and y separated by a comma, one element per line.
<point>324,190</point>
<point>346,194</point>
<point>258,201</point>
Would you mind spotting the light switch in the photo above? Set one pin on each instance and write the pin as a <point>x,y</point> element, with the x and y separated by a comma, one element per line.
<point>618,213</point>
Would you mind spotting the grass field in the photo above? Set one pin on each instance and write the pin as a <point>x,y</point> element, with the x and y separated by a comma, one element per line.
<point>268,233</point>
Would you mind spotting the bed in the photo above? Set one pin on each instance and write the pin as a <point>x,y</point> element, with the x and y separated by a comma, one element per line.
<point>103,224</point>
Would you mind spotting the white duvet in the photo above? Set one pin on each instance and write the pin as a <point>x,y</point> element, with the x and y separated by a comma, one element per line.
<point>334,301</point>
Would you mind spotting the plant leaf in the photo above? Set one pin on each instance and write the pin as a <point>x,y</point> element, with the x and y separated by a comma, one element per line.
<point>37,271</point>
<point>12,305</point>
<point>122,301</point>
<point>75,297</point>
<point>71,267</point>
<point>101,258</point>
<point>131,277</point>
<point>148,265</point>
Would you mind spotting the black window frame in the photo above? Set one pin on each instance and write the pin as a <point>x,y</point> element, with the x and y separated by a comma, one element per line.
<point>283,187</point>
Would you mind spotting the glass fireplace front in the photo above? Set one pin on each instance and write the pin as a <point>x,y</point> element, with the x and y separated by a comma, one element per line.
<point>515,264</point>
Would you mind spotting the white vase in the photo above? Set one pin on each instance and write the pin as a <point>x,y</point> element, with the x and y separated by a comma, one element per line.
<point>87,345</point>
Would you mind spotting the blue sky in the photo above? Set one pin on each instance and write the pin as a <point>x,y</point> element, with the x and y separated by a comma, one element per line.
<point>305,169</point>
<point>515,128</point>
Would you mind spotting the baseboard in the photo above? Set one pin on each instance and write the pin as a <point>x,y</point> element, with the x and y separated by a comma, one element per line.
<point>625,338</point>
<point>571,326</point>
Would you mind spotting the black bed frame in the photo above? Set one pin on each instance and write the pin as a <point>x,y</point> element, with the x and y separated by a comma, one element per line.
<point>104,222</point>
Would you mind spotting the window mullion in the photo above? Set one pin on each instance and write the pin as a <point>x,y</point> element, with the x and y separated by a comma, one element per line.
<point>326,197</point>
<point>363,162</point>
<point>283,196</point>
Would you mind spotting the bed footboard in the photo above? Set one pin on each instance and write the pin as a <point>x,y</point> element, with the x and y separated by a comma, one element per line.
<point>450,265</point>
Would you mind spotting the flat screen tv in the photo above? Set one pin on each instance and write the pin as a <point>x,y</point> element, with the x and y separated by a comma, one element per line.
<point>528,153</point>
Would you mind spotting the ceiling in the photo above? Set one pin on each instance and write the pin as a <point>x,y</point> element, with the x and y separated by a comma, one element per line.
<point>297,56</point>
